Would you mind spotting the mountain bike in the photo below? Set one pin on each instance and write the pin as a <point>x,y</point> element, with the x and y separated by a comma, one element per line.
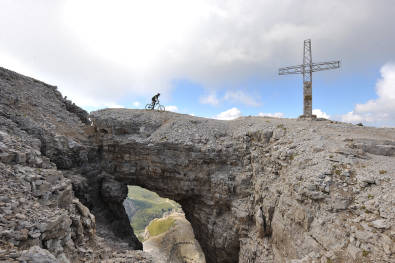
<point>155,106</point>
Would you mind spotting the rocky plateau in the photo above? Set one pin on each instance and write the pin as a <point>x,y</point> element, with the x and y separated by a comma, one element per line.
<point>255,189</point>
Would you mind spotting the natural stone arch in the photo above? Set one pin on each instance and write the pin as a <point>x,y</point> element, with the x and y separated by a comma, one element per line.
<point>201,186</point>
<point>211,182</point>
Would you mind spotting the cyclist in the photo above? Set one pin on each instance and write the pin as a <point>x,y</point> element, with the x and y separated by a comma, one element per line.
<point>155,99</point>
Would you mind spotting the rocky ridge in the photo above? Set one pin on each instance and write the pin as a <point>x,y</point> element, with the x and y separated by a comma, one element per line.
<point>263,189</point>
<point>44,139</point>
<point>254,189</point>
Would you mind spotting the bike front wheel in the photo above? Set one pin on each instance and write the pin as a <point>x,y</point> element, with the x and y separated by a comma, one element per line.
<point>161,108</point>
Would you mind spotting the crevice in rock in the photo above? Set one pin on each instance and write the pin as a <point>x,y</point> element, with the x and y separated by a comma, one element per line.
<point>267,222</point>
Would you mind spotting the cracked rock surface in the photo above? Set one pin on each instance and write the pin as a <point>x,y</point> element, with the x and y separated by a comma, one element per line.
<point>254,189</point>
<point>262,189</point>
<point>43,138</point>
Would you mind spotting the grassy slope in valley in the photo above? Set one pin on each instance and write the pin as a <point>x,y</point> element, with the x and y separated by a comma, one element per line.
<point>149,206</point>
<point>171,239</point>
<point>159,226</point>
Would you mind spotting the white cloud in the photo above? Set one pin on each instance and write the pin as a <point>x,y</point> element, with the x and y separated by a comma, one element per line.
<point>172,108</point>
<point>111,105</point>
<point>320,114</point>
<point>352,117</point>
<point>380,111</point>
<point>230,114</point>
<point>142,46</point>
<point>237,96</point>
<point>274,115</point>
<point>210,99</point>
<point>89,103</point>
<point>136,104</point>
<point>240,96</point>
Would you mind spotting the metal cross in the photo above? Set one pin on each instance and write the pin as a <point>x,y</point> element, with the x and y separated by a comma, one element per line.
<point>307,69</point>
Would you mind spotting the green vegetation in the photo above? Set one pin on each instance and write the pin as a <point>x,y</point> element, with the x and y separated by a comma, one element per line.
<point>149,205</point>
<point>382,171</point>
<point>365,253</point>
<point>159,226</point>
<point>281,126</point>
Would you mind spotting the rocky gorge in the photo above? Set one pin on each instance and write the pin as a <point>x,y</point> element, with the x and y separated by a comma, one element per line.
<point>255,189</point>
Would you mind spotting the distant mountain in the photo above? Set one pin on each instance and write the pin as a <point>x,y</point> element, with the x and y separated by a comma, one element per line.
<point>130,207</point>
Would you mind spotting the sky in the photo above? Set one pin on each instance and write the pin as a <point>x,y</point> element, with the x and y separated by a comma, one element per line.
<point>210,58</point>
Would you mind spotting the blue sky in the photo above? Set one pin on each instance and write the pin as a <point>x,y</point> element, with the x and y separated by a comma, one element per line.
<point>210,58</point>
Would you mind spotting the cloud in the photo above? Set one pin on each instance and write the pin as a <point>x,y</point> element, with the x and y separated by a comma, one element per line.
<point>90,104</point>
<point>210,99</point>
<point>230,114</point>
<point>142,46</point>
<point>274,115</point>
<point>172,108</point>
<point>320,114</point>
<point>136,104</point>
<point>236,96</point>
<point>351,117</point>
<point>241,97</point>
<point>380,111</point>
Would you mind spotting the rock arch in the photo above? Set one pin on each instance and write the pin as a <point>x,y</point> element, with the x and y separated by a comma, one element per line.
<point>202,169</point>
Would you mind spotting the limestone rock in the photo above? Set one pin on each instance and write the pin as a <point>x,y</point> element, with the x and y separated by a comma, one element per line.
<point>381,224</point>
<point>37,255</point>
<point>376,146</point>
<point>40,131</point>
<point>255,189</point>
<point>254,180</point>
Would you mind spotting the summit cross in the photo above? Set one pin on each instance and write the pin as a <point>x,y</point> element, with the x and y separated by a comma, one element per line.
<point>307,69</point>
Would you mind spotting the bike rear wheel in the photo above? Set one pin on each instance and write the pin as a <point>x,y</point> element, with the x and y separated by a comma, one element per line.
<point>148,107</point>
<point>161,108</point>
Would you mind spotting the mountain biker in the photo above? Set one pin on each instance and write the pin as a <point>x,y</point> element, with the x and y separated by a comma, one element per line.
<point>155,99</point>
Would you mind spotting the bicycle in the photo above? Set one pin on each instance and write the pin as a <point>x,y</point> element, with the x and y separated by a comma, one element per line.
<point>155,106</point>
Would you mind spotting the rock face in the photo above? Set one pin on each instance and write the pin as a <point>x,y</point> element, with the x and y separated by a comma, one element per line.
<point>177,244</point>
<point>261,189</point>
<point>40,110</point>
<point>44,147</point>
<point>254,189</point>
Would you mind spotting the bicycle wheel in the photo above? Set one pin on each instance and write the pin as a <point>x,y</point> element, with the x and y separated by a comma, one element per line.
<point>161,108</point>
<point>148,106</point>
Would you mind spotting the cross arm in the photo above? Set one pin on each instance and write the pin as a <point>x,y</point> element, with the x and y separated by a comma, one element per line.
<point>300,69</point>
<point>291,70</point>
<point>325,66</point>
